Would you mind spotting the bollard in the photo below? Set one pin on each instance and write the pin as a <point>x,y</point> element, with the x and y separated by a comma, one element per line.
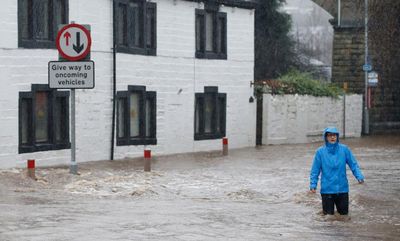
<point>31,169</point>
<point>147,160</point>
<point>225,146</point>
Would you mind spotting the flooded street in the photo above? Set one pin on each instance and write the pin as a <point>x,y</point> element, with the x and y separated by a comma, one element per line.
<point>252,194</point>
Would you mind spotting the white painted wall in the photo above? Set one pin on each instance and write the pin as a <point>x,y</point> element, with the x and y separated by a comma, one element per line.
<point>301,119</point>
<point>173,68</point>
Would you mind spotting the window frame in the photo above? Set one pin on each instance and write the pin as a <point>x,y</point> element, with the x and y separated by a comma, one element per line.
<point>52,143</point>
<point>142,138</point>
<point>144,27</point>
<point>33,42</point>
<point>218,115</point>
<point>219,37</point>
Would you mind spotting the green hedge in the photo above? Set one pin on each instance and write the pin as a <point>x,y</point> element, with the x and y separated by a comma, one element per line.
<point>296,82</point>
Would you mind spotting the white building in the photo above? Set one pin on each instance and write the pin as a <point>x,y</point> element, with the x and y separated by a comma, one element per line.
<point>182,79</point>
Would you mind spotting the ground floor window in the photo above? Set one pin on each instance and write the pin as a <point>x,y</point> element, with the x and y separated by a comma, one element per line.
<point>210,114</point>
<point>43,119</point>
<point>136,116</point>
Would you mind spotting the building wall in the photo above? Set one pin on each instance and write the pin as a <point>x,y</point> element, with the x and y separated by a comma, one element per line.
<point>348,59</point>
<point>174,73</point>
<point>301,119</point>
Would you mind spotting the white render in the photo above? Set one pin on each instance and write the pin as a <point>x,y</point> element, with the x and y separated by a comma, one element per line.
<point>301,119</point>
<point>174,73</point>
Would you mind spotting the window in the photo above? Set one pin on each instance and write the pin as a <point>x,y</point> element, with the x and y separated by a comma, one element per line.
<point>136,116</point>
<point>210,34</point>
<point>38,22</point>
<point>210,114</point>
<point>136,26</point>
<point>43,119</point>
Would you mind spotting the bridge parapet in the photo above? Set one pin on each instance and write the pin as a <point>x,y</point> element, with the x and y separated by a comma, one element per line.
<point>351,11</point>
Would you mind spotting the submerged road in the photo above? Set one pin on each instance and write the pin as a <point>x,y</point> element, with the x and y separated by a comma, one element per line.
<point>252,194</point>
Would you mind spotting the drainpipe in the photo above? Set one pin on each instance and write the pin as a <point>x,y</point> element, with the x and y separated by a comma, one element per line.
<point>114,82</point>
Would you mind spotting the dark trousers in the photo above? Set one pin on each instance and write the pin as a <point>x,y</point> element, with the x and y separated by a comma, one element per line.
<point>340,200</point>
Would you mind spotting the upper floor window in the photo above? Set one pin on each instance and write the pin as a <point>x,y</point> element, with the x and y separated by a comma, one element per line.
<point>210,114</point>
<point>210,34</point>
<point>38,22</point>
<point>136,26</point>
<point>43,119</point>
<point>136,116</point>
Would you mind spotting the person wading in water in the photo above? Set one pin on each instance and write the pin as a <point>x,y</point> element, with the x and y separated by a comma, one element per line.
<point>330,161</point>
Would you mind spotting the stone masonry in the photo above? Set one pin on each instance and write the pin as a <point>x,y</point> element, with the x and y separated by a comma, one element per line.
<point>348,58</point>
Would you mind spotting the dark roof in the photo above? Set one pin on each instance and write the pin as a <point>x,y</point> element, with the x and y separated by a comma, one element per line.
<point>249,4</point>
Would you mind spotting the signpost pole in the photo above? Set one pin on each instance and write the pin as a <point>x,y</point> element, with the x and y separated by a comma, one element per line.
<point>73,169</point>
<point>73,43</point>
<point>366,114</point>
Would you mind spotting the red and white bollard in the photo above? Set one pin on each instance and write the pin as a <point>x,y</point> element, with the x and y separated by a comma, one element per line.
<point>31,169</point>
<point>147,160</point>
<point>225,146</point>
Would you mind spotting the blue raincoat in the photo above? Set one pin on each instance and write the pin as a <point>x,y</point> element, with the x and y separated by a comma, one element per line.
<point>330,161</point>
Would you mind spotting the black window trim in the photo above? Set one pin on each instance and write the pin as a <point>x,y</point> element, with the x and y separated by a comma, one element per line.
<point>144,95</point>
<point>152,97</point>
<point>144,49</point>
<point>245,4</point>
<point>219,114</point>
<point>201,51</point>
<point>52,144</point>
<point>53,29</point>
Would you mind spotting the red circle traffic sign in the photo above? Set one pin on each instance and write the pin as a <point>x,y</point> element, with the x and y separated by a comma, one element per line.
<point>73,42</point>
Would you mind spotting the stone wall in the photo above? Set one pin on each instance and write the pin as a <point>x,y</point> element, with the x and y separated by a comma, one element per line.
<point>348,59</point>
<point>301,119</point>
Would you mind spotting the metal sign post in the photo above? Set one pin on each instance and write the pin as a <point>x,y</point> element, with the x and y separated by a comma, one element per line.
<point>73,168</point>
<point>366,114</point>
<point>70,72</point>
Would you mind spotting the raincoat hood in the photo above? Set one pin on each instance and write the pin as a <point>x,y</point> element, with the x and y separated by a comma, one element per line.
<point>331,147</point>
<point>330,130</point>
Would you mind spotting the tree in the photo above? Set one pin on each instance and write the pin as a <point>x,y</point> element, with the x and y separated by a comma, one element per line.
<point>274,49</point>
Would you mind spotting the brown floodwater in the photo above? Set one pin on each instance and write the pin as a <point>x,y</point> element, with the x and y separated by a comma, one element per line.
<point>251,194</point>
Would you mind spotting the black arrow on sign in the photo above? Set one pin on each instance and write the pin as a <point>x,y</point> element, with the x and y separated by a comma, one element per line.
<point>78,47</point>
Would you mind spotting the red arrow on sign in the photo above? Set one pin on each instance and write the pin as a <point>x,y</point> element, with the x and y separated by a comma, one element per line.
<point>67,35</point>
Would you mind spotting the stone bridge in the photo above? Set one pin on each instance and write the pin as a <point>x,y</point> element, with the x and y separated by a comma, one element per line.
<point>348,58</point>
<point>329,5</point>
<point>351,11</point>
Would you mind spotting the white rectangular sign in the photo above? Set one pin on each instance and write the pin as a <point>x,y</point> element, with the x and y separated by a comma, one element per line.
<point>71,75</point>
<point>373,79</point>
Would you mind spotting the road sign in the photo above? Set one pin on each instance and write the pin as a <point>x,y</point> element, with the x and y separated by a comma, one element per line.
<point>367,67</point>
<point>73,42</point>
<point>373,79</point>
<point>71,75</point>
